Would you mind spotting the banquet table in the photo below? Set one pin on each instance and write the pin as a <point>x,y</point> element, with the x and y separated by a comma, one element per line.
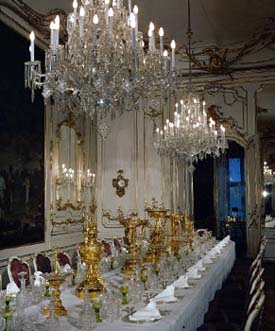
<point>185,314</point>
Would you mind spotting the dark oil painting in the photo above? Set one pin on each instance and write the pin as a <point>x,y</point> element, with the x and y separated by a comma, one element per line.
<point>21,147</point>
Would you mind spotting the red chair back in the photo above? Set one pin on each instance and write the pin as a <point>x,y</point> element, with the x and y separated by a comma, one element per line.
<point>17,266</point>
<point>43,263</point>
<point>63,259</point>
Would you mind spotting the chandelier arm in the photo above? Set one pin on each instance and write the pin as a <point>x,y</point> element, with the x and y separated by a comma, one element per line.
<point>189,34</point>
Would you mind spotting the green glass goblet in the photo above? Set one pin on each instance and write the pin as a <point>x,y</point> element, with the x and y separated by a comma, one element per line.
<point>124,291</point>
<point>97,305</point>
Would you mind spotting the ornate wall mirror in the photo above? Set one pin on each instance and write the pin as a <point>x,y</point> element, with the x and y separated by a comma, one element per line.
<point>67,206</point>
<point>21,146</point>
<point>70,165</point>
<point>265,121</point>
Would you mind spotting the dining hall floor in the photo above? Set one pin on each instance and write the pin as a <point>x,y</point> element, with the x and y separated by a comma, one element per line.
<point>268,318</point>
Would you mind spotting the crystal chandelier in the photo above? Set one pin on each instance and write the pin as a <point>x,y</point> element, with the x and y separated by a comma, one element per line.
<point>104,68</point>
<point>191,135</point>
<point>269,177</point>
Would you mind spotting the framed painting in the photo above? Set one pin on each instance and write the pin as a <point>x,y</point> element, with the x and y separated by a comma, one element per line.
<point>21,147</point>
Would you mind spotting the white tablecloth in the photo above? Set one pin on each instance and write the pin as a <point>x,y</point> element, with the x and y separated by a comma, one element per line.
<point>185,314</point>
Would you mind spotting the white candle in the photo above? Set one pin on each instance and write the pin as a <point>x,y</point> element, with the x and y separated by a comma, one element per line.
<point>81,21</point>
<point>130,6</point>
<point>111,15</point>
<point>161,34</point>
<point>135,10</point>
<point>32,37</point>
<point>118,4</point>
<point>181,106</point>
<point>52,26</point>
<point>57,26</point>
<point>173,46</point>
<point>75,5</point>
<point>165,56</point>
<point>133,28</point>
<point>150,39</point>
<point>152,29</point>
<point>107,2</point>
<point>95,21</point>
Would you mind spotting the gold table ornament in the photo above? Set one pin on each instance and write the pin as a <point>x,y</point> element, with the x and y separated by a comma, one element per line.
<point>189,231</point>
<point>131,225</point>
<point>55,280</point>
<point>174,233</point>
<point>90,252</point>
<point>156,239</point>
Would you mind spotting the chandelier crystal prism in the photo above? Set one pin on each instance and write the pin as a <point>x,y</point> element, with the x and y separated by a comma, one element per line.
<point>104,67</point>
<point>191,135</point>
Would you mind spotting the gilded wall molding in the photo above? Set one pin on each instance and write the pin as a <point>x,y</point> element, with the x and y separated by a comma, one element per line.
<point>12,9</point>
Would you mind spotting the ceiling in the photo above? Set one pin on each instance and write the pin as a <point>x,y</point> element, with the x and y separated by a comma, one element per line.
<point>216,22</point>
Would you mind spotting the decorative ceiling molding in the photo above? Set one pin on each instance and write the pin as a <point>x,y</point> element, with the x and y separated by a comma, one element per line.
<point>232,129</point>
<point>226,60</point>
<point>14,9</point>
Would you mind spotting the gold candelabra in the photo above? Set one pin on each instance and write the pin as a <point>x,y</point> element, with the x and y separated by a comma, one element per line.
<point>189,231</point>
<point>130,224</point>
<point>174,233</point>
<point>55,280</point>
<point>90,252</point>
<point>156,238</point>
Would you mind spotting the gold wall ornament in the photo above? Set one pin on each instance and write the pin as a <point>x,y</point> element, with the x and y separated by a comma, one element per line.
<point>90,252</point>
<point>55,280</point>
<point>120,183</point>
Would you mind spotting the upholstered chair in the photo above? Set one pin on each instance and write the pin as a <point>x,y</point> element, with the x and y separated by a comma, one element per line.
<point>42,263</point>
<point>15,266</point>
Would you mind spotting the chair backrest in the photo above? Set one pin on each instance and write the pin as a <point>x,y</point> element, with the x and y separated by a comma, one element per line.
<point>117,245</point>
<point>107,248</point>
<point>256,282</point>
<point>15,266</point>
<point>255,297</point>
<point>255,271</point>
<point>42,263</point>
<point>255,315</point>
<point>63,259</point>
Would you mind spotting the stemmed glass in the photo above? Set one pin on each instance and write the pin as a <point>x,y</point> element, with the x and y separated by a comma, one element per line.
<point>87,315</point>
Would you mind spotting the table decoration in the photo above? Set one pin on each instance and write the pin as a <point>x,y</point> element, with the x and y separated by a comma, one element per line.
<point>124,291</point>
<point>90,251</point>
<point>7,314</point>
<point>97,305</point>
<point>148,313</point>
<point>47,293</point>
<point>166,296</point>
<point>182,282</point>
<point>12,289</point>
<point>130,223</point>
<point>144,276</point>
<point>193,273</point>
<point>156,247</point>
<point>55,280</point>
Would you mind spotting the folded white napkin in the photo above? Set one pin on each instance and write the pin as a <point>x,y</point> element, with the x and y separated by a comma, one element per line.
<point>199,266</point>
<point>67,268</point>
<point>167,295</point>
<point>182,282</point>
<point>193,273</point>
<point>207,260</point>
<point>12,289</point>
<point>148,313</point>
<point>38,279</point>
